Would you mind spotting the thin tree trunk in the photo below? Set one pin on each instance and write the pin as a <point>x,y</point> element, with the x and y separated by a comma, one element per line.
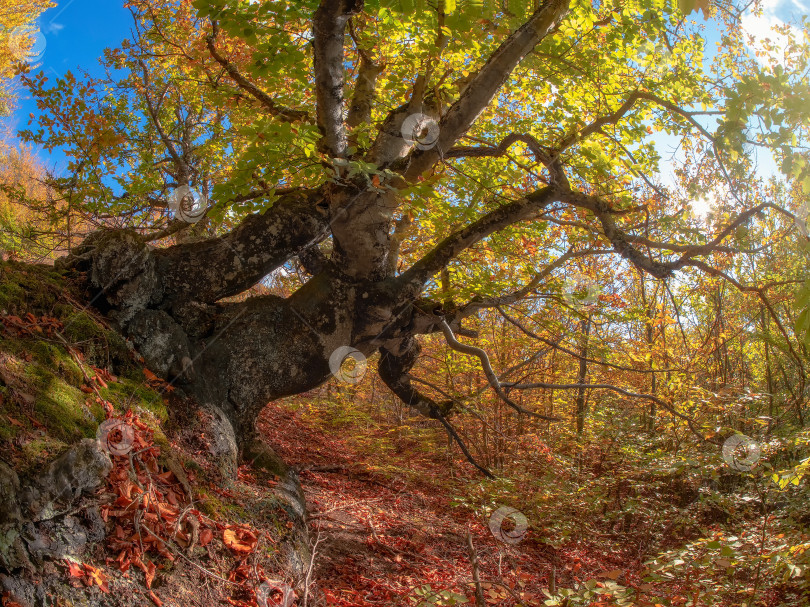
<point>583,374</point>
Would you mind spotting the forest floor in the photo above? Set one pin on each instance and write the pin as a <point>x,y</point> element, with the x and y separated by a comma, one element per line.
<point>390,534</point>
<point>390,509</point>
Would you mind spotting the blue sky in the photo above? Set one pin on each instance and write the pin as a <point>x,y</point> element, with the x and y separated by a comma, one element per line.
<point>74,35</point>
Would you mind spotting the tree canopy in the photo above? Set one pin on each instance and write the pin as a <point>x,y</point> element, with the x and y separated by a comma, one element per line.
<point>402,166</point>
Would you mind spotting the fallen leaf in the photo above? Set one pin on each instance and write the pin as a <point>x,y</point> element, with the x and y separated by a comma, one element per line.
<point>206,535</point>
<point>239,540</point>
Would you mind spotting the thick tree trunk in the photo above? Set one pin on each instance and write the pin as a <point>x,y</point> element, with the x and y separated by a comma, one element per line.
<point>236,357</point>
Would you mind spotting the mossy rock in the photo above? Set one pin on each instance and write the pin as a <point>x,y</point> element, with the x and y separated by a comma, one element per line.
<point>29,288</point>
<point>59,361</point>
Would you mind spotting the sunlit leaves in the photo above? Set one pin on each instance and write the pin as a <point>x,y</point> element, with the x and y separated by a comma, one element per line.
<point>18,35</point>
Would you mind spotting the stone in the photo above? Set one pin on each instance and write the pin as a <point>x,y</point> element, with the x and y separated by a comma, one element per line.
<point>82,467</point>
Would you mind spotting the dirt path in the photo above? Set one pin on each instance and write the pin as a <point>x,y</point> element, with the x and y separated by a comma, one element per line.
<point>397,542</point>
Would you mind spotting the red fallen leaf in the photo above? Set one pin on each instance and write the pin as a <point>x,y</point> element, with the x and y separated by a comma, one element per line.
<point>75,569</point>
<point>94,575</point>
<point>150,574</point>
<point>167,477</point>
<point>150,376</point>
<point>148,569</point>
<point>206,535</point>
<point>8,601</point>
<point>15,422</point>
<point>88,574</point>
<point>155,600</point>
<point>104,374</point>
<point>239,540</point>
<point>86,389</point>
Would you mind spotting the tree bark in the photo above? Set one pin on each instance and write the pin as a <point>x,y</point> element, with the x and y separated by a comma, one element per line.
<point>583,375</point>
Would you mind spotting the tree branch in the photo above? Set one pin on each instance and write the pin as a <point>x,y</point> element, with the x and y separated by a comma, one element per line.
<point>329,29</point>
<point>483,87</point>
<point>690,422</point>
<point>525,208</point>
<point>492,378</point>
<point>239,259</point>
<point>282,113</point>
<point>364,88</point>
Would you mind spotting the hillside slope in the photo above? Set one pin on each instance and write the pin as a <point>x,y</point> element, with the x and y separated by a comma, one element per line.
<point>110,493</point>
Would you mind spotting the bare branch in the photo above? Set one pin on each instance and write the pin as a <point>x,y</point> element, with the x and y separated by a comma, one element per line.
<point>452,432</point>
<point>282,113</point>
<point>492,378</point>
<point>690,422</point>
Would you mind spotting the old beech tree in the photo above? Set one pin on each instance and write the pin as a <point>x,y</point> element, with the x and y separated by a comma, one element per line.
<point>331,136</point>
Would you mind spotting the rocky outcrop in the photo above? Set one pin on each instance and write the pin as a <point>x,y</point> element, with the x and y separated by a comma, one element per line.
<point>37,520</point>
